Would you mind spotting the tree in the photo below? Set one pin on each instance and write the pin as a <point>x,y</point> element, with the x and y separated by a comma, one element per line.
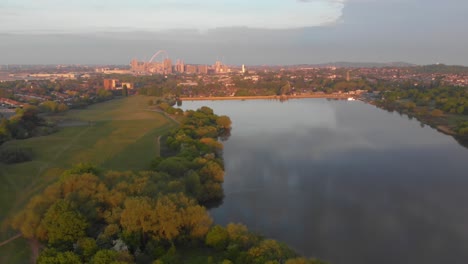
<point>175,166</point>
<point>212,192</point>
<point>62,107</point>
<point>52,256</point>
<point>303,261</point>
<point>206,110</point>
<point>136,216</point>
<point>285,89</point>
<point>124,90</point>
<point>212,145</point>
<point>104,257</point>
<point>4,132</point>
<point>212,171</point>
<point>103,94</point>
<point>49,106</point>
<point>63,223</point>
<point>240,235</point>
<point>166,219</point>
<point>87,247</point>
<point>224,122</point>
<point>28,221</point>
<point>82,168</point>
<point>193,186</point>
<point>217,237</point>
<point>269,250</point>
<point>196,220</point>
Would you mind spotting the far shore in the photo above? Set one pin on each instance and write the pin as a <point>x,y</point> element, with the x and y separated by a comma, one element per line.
<point>263,97</point>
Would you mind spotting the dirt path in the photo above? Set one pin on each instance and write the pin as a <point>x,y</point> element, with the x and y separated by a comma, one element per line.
<point>166,115</point>
<point>35,246</point>
<point>158,146</point>
<point>10,239</point>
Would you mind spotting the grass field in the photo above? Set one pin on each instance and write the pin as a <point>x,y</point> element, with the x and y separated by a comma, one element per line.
<point>120,135</point>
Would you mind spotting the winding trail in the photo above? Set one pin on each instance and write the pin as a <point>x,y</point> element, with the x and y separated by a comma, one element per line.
<point>165,114</point>
<point>158,145</point>
<point>10,239</point>
<point>35,247</point>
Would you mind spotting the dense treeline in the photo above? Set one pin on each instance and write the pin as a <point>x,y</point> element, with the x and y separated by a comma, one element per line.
<point>81,92</point>
<point>268,83</point>
<point>440,68</point>
<point>10,155</point>
<point>52,107</point>
<point>92,216</point>
<point>166,104</point>
<point>448,99</point>
<point>434,104</point>
<point>271,84</point>
<point>115,215</point>
<point>196,153</point>
<point>45,87</point>
<point>24,124</point>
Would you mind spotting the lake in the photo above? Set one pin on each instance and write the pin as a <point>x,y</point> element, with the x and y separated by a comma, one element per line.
<point>345,182</point>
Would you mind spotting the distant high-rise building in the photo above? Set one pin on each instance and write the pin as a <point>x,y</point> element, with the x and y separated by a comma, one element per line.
<point>219,67</point>
<point>134,64</point>
<point>110,84</point>
<point>167,66</point>
<point>243,68</point>
<point>180,67</point>
<point>202,69</point>
<point>348,76</point>
<point>191,69</point>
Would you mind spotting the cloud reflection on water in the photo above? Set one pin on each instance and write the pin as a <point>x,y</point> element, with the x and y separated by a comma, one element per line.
<point>345,182</point>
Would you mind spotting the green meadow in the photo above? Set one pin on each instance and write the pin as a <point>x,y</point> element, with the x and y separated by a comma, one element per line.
<point>121,134</point>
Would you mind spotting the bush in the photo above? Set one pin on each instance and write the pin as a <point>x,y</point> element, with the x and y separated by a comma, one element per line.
<point>217,238</point>
<point>15,155</point>
<point>437,113</point>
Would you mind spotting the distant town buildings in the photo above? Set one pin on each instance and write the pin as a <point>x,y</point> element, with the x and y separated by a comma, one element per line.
<point>114,84</point>
<point>5,102</point>
<point>219,67</point>
<point>165,66</point>
<point>110,84</point>
<point>70,76</point>
<point>180,66</point>
<point>112,71</point>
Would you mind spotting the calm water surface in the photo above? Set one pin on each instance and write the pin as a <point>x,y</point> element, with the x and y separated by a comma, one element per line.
<point>344,181</point>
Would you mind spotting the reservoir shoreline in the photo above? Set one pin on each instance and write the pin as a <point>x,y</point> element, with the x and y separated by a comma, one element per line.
<point>263,97</point>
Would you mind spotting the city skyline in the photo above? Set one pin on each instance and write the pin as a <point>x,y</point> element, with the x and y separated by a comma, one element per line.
<point>413,31</point>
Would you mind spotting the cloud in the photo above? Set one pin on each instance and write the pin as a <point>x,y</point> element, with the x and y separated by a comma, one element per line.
<point>417,31</point>
<point>86,15</point>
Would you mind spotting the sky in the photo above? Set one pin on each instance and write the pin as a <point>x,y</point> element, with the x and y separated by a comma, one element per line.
<point>236,32</point>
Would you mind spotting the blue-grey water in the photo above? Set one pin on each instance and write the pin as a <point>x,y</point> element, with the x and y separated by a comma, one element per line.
<point>345,182</point>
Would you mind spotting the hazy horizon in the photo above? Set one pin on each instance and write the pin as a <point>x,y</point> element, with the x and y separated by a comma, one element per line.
<point>280,32</point>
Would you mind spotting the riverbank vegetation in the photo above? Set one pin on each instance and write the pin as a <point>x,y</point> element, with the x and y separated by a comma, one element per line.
<point>444,107</point>
<point>26,123</point>
<point>95,216</point>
